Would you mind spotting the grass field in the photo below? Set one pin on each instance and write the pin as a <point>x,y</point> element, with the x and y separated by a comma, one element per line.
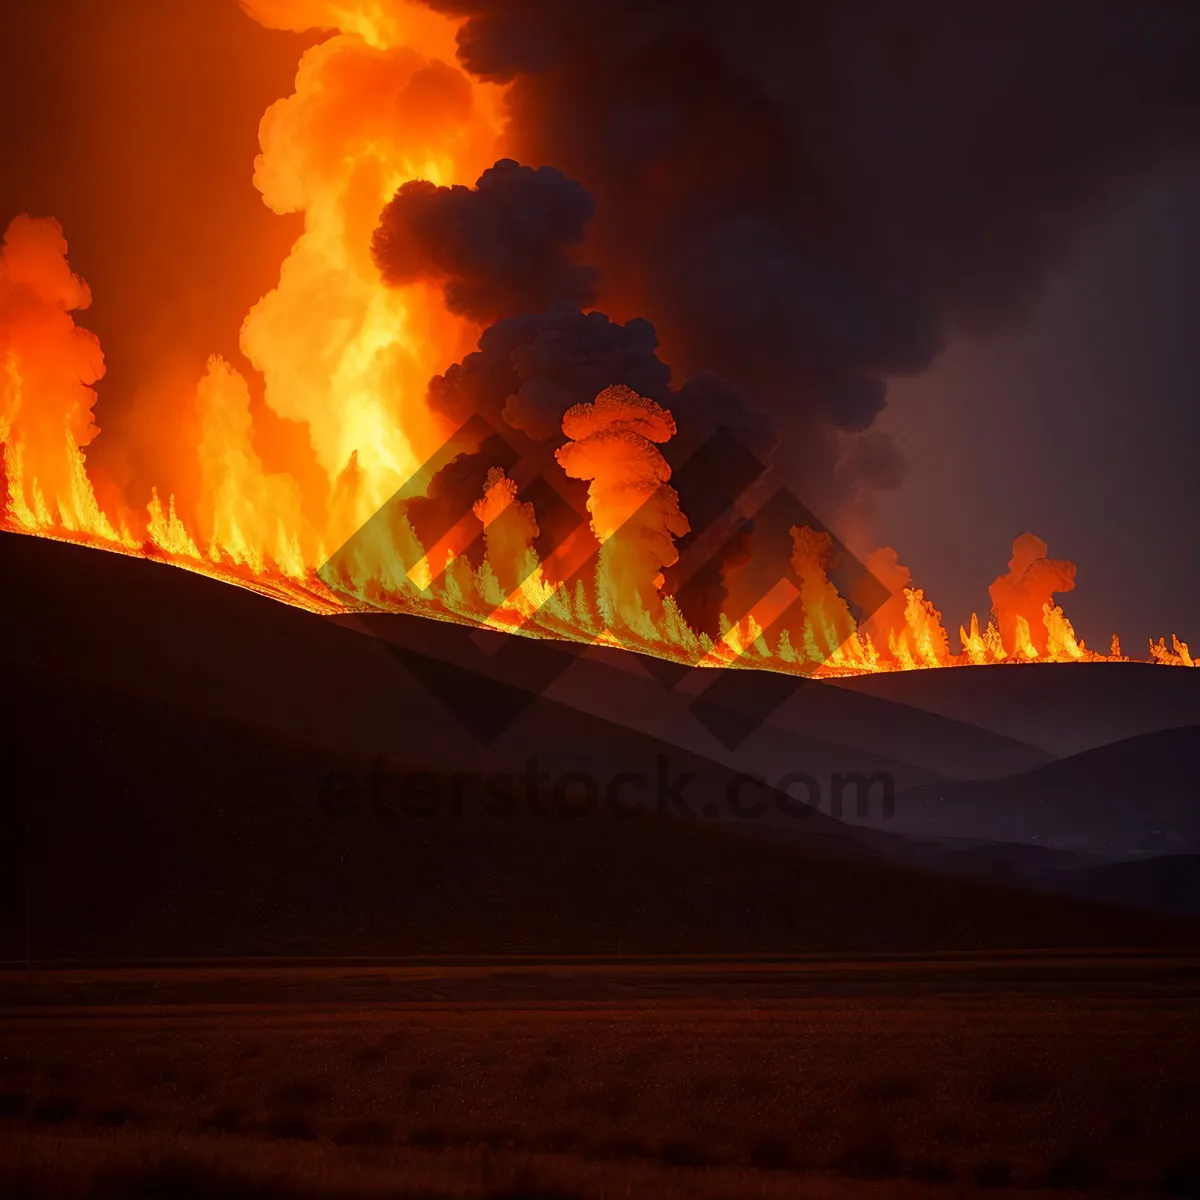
<point>913,1089</point>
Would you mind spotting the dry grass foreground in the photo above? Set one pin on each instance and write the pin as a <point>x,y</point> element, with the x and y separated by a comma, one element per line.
<point>836,1096</point>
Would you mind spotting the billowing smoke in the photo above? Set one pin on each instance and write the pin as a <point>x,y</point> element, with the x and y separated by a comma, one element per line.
<point>528,371</point>
<point>501,247</point>
<point>1019,597</point>
<point>635,513</point>
<point>804,199</point>
<point>505,249</point>
<point>807,196</point>
<point>531,369</point>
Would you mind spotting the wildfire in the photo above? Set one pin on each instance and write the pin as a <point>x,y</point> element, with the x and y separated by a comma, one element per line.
<point>351,359</point>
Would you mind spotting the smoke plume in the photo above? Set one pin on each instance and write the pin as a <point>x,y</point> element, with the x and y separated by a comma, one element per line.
<point>531,369</point>
<point>498,248</point>
<point>1019,597</point>
<point>635,514</point>
<point>798,200</point>
<point>807,196</point>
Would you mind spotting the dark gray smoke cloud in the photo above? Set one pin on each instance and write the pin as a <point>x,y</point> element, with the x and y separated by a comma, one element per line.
<point>530,368</point>
<point>504,246</point>
<point>807,196</point>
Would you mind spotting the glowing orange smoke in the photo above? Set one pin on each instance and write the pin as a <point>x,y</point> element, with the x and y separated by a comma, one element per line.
<point>635,513</point>
<point>380,103</point>
<point>47,368</point>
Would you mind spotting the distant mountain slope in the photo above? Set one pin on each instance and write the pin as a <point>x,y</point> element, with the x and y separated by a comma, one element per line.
<point>814,724</point>
<point>192,774</point>
<point>1167,884</point>
<point>152,833</point>
<point>1137,795</point>
<point>1063,708</point>
<point>119,620</point>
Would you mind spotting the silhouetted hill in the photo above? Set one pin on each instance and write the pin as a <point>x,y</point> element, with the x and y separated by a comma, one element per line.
<point>1170,883</point>
<point>158,834</point>
<point>1135,795</point>
<point>200,771</point>
<point>1011,862</point>
<point>1063,708</point>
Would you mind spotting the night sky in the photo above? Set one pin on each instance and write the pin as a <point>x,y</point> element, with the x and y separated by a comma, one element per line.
<point>1076,419</point>
<point>1080,423</point>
